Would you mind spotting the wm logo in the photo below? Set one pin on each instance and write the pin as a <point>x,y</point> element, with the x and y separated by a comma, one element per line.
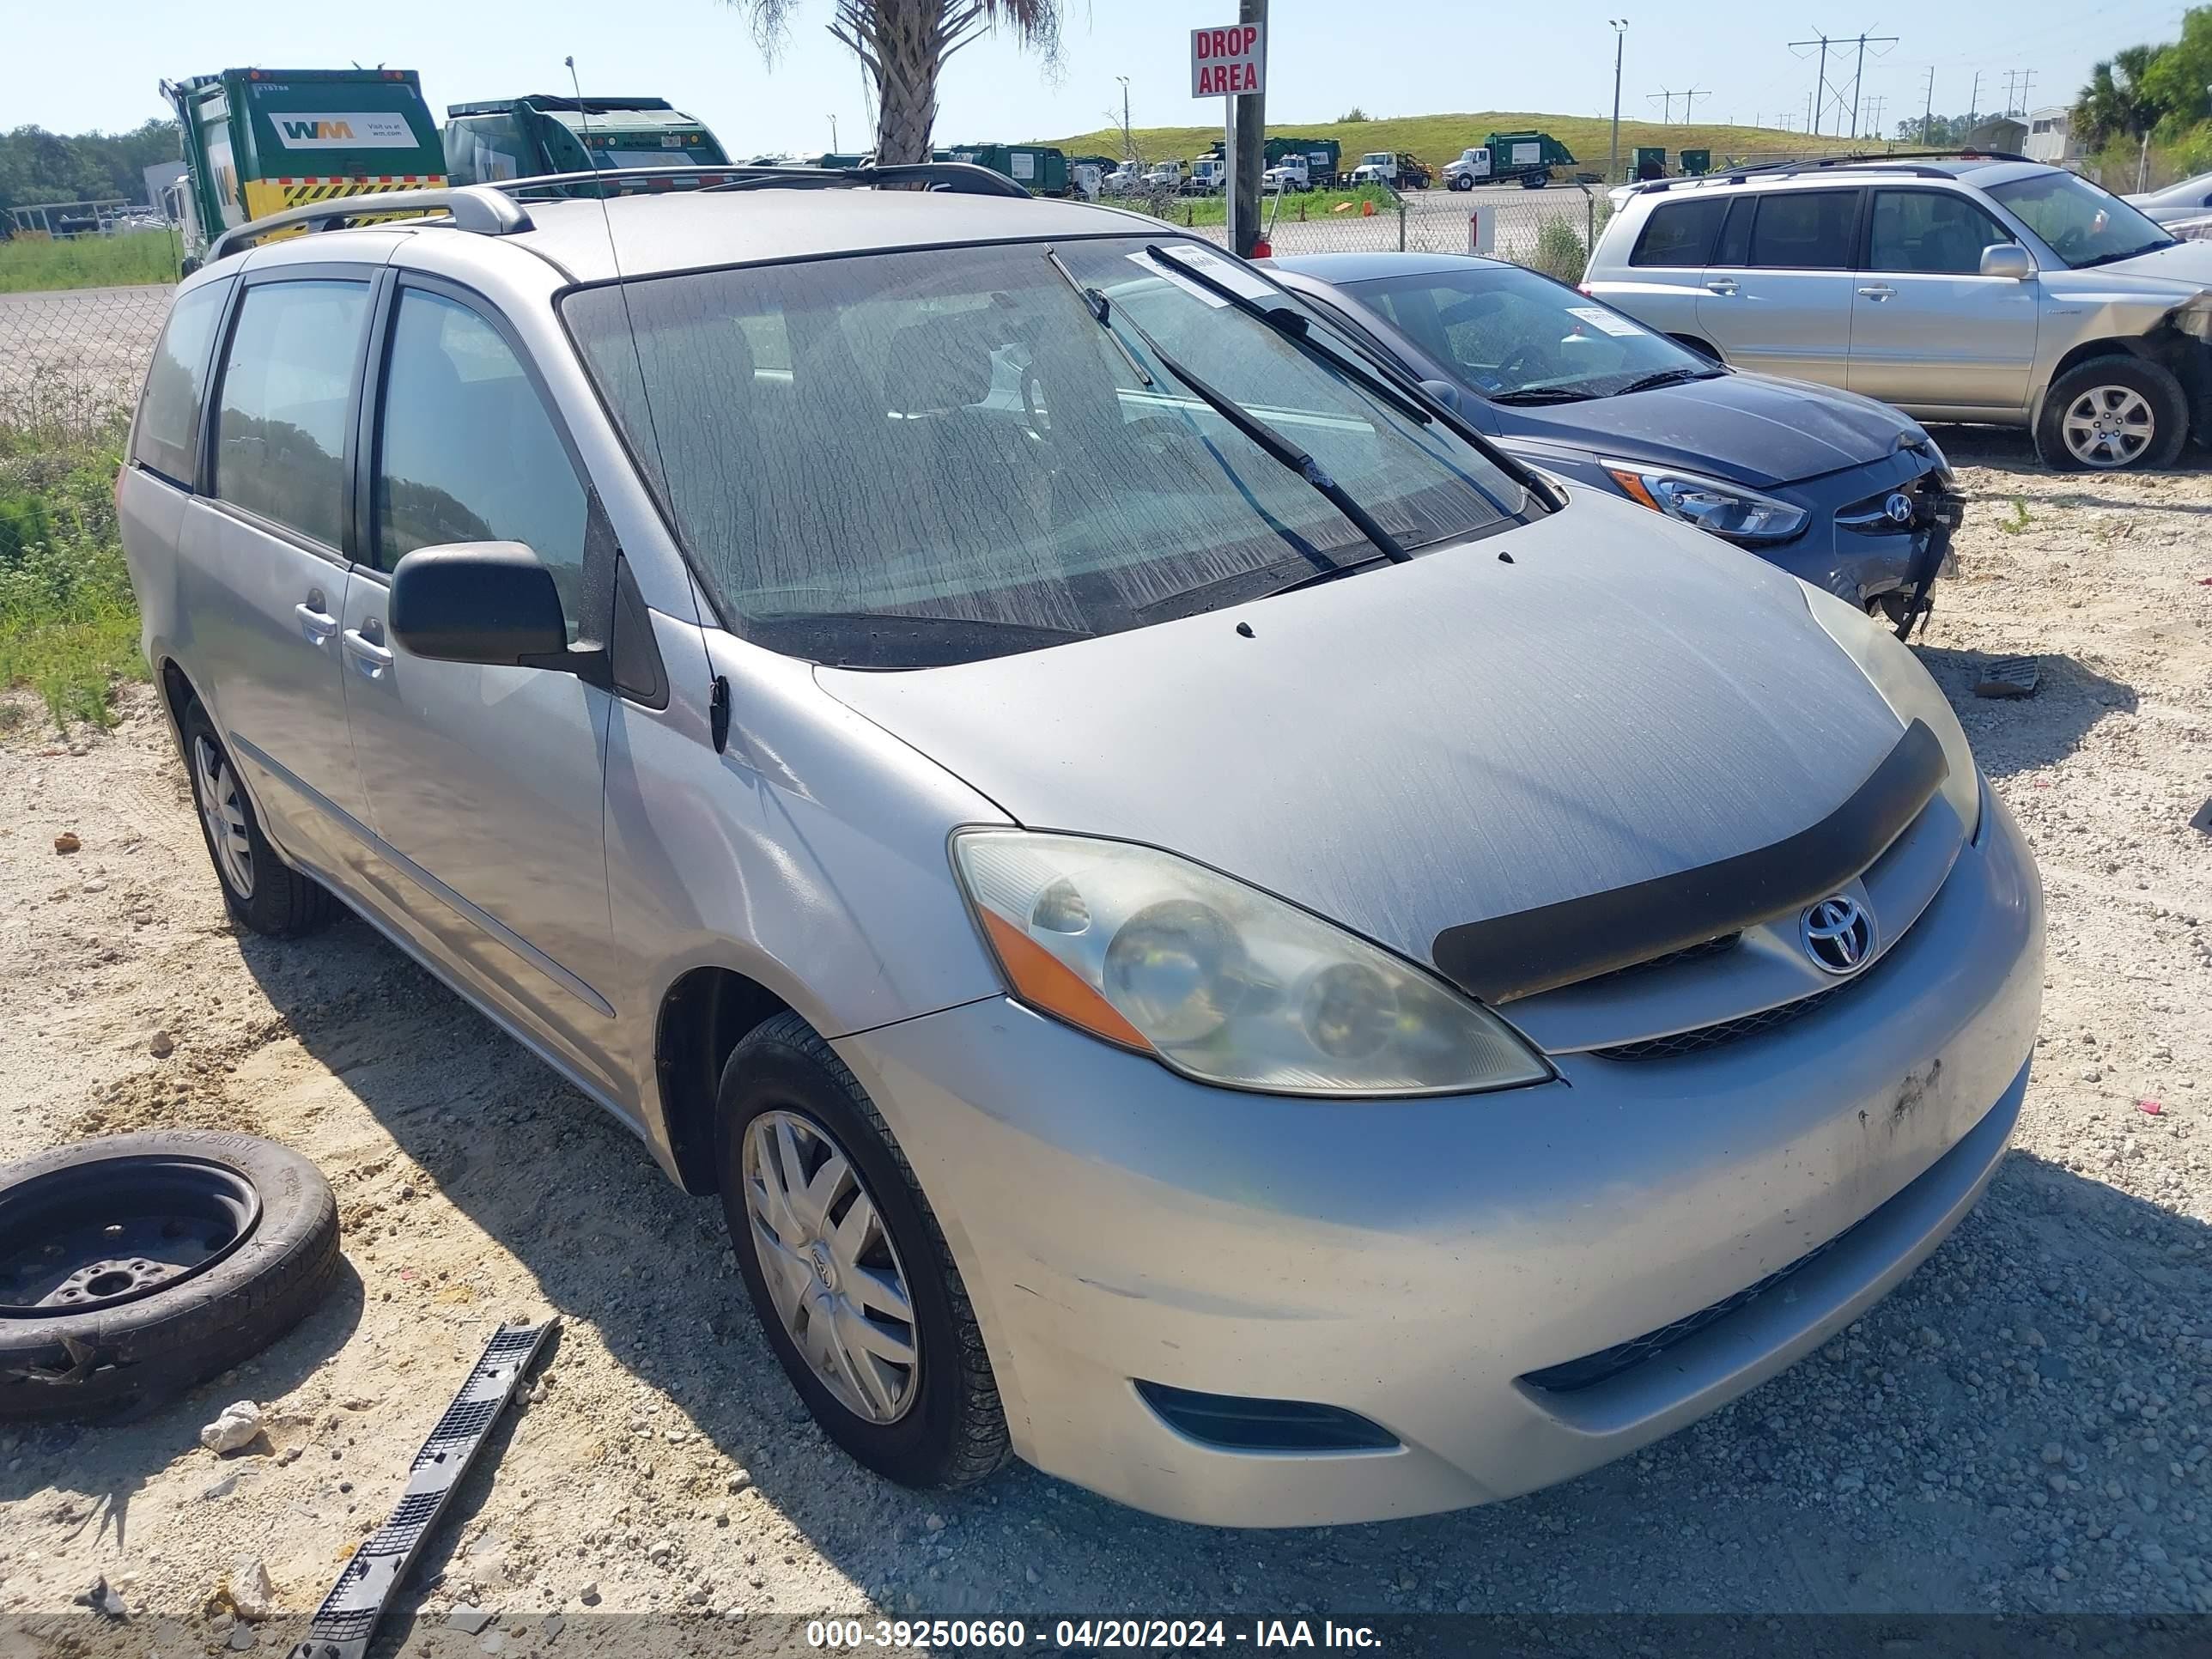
<point>327,130</point>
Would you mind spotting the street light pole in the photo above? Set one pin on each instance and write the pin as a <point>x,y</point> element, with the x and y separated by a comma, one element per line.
<point>1619,34</point>
<point>1128,148</point>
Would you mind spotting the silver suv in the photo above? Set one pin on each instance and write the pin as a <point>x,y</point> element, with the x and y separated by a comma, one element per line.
<point>1968,289</point>
<point>1206,926</point>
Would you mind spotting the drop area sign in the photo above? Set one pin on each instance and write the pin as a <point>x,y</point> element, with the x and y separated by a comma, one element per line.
<point>1228,63</point>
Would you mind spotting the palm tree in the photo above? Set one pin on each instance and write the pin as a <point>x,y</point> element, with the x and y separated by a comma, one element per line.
<point>2114,102</point>
<point>903,44</point>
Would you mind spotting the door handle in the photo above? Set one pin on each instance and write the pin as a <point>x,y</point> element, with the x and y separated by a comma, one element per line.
<point>368,656</point>
<point>318,625</point>
<point>1878,291</point>
<point>1721,285</point>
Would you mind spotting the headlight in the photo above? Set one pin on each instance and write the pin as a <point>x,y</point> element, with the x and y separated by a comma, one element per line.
<point>1218,981</point>
<point>1726,509</point>
<point>1895,672</point>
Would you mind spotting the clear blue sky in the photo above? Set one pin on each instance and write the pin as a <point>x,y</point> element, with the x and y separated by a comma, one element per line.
<point>69,65</point>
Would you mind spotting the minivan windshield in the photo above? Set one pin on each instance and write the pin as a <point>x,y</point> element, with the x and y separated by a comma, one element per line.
<point>2079,222</point>
<point>904,459</point>
<point>1516,337</point>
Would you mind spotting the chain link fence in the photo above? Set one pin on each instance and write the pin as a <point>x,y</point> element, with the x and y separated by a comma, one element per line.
<point>71,361</point>
<point>1550,230</point>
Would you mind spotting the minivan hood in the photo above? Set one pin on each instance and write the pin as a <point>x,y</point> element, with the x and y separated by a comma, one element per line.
<point>1748,428</point>
<point>1441,742</point>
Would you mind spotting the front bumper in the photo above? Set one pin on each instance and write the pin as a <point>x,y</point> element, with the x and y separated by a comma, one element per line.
<point>1414,1261</point>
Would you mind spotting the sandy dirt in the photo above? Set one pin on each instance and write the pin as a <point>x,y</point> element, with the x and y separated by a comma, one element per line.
<point>2023,1425</point>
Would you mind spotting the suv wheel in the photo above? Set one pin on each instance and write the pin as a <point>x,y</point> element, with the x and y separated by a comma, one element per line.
<point>262,891</point>
<point>849,1275</point>
<point>2110,413</point>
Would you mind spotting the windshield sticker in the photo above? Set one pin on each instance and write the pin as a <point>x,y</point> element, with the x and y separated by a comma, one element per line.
<point>355,130</point>
<point>1603,320</point>
<point>1152,267</point>
<point>1227,272</point>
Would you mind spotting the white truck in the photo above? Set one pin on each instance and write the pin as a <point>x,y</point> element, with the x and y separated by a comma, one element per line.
<point>1393,168</point>
<point>1164,175</point>
<point>1290,173</point>
<point>1127,180</point>
<point>1209,176</point>
<point>1526,157</point>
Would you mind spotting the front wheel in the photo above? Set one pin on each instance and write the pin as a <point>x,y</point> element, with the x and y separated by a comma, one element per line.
<point>849,1274</point>
<point>1461,181</point>
<point>2111,413</point>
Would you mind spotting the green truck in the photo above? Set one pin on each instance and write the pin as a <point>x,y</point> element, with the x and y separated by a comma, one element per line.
<point>1042,169</point>
<point>1316,163</point>
<point>527,137</point>
<point>1528,157</point>
<point>258,140</point>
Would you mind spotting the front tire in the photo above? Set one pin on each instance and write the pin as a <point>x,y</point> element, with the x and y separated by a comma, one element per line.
<point>849,1272</point>
<point>2113,413</point>
<point>1461,181</point>
<point>261,891</point>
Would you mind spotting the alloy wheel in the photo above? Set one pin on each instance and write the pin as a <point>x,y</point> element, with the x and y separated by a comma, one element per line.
<point>831,1270</point>
<point>224,809</point>
<point>2109,426</point>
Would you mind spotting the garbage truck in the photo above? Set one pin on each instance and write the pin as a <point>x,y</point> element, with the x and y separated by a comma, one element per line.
<point>543,132</point>
<point>258,140</point>
<point>1529,157</point>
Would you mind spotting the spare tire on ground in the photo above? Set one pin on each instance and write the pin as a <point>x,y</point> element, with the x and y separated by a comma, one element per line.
<point>135,1265</point>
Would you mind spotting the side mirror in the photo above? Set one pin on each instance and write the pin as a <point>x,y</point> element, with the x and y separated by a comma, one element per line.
<point>489,603</point>
<point>2007,260</point>
<point>1443,392</point>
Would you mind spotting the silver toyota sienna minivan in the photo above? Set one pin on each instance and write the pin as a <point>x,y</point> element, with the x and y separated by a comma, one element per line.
<point>1210,929</point>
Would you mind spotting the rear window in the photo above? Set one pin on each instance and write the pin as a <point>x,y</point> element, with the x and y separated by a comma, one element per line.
<point>1680,233</point>
<point>1804,230</point>
<point>168,434</point>
<point>910,458</point>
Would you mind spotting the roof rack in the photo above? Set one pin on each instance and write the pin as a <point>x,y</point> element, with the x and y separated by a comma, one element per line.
<point>492,209</point>
<point>1825,163</point>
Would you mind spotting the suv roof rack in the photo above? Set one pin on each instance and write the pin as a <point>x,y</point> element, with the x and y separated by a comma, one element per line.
<point>1824,163</point>
<point>492,209</point>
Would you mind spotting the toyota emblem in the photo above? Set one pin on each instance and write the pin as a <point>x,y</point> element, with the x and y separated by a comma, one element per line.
<point>1899,507</point>
<point>1837,934</point>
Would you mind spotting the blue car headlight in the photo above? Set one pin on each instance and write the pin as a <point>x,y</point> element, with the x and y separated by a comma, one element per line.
<point>1728,510</point>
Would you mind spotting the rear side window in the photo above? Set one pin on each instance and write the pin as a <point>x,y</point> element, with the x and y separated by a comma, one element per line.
<point>280,435</point>
<point>1804,230</point>
<point>1680,233</point>
<point>466,452</point>
<point>168,429</point>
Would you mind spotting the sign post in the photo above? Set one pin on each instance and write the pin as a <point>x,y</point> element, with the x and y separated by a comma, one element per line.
<point>1229,63</point>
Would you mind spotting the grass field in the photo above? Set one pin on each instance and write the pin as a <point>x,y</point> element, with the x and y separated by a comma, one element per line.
<point>1438,139</point>
<point>69,627</point>
<point>1311,204</point>
<point>32,263</point>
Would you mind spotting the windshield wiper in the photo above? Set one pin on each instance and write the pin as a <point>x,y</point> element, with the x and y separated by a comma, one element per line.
<point>1541,394</point>
<point>1276,447</point>
<point>2114,259</point>
<point>1102,310</point>
<point>1666,377</point>
<point>911,639</point>
<point>1292,326</point>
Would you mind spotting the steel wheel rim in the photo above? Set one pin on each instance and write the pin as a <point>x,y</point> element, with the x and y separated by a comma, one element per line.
<point>2109,426</point>
<point>830,1268</point>
<point>222,809</point>
<point>94,1236</point>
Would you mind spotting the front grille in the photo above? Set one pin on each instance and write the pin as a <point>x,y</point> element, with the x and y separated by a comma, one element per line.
<point>1697,1040</point>
<point>1593,1369</point>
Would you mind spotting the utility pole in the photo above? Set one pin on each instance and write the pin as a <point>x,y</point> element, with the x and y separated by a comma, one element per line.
<point>1251,145</point>
<point>1860,71</point>
<point>1974,101</point>
<point>1691,96</point>
<point>1873,120</point>
<point>1666,107</point>
<point>2017,83</point>
<point>1927,115</point>
<point>1824,41</point>
<point>1128,144</point>
<point>833,135</point>
<point>1620,38</point>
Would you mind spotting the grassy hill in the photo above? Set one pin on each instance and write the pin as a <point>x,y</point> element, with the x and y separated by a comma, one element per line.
<point>1438,138</point>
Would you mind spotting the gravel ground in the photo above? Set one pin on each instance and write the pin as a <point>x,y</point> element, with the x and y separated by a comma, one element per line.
<point>2022,1426</point>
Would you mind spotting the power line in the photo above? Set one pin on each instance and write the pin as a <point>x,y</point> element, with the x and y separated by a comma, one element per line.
<point>2017,83</point>
<point>1875,102</point>
<point>1691,96</point>
<point>1827,92</point>
<point>1666,103</point>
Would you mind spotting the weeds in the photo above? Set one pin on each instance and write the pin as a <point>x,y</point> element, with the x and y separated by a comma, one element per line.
<point>68,625</point>
<point>32,263</point>
<point>1559,250</point>
<point>2020,520</point>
